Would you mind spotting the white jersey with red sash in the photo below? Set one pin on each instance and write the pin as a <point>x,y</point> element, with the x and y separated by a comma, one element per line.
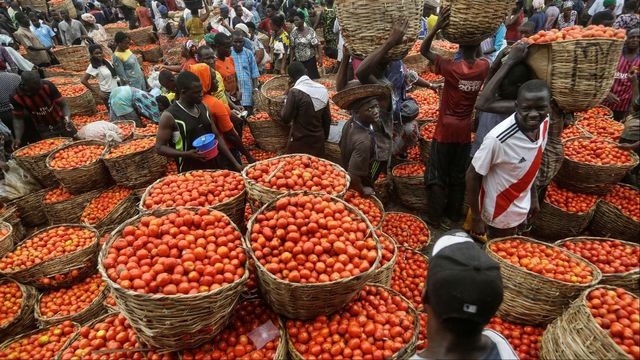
<point>509,162</point>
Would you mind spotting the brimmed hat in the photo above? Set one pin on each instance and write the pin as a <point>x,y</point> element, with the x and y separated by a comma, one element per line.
<point>345,98</point>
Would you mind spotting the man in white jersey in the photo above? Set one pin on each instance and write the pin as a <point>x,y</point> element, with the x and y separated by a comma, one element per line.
<point>501,181</point>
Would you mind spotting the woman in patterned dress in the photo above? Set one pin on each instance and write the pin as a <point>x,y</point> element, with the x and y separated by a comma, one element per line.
<point>305,46</point>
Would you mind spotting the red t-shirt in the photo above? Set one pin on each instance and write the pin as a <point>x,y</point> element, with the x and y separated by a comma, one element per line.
<point>513,34</point>
<point>265,25</point>
<point>462,83</point>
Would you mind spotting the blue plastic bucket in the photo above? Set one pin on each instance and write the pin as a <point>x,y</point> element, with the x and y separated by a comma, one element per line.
<point>204,142</point>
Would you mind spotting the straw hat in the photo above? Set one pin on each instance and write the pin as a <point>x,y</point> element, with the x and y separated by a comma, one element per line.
<point>345,98</point>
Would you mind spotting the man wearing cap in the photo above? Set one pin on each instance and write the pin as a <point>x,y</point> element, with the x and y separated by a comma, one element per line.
<point>462,293</point>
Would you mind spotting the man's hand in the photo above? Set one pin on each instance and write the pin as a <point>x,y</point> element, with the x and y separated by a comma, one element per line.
<point>518,53</point>
<point>630,147</point>
<point>633,72</point>
<point>398,30</point>
<point>194,154</point>
<point>478,227</point>
<point>612,98</point>
<point>368,191</point>
<point>17,143</point>
<point>443,18</point>
<point>535,208</point>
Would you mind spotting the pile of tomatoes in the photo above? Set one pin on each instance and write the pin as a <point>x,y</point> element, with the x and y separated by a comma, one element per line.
<point>445,45</point>
<point>415,48</point>
<point>195,188</point>
<point>247,139</point>
<point>172,168</point>
<point>66,277</point>
<point>47,245</point>
<point>82,120</point>
<point>299,172</point>
<point>429,103</point>
<point>117,25</point>
<point>366,205</point>
<point>259,116</point>
<point>610,256</point>
<point>76,156</point>
<point>41,345</point>
<point>545,260</point>
<point>41,147</point>
<point>601,127</point>
<point>126,127</point>
<point>10,301</point>
<point>406,230</point>
<point>56,195</point>
<point>618,313</point>
<point>413,153</point>
<point>410,275</point>
<point>576,32</point>
<point>312,239</point>
<point>376,324</point>
<point>103,204</point>
<point>626,199</point>
<point>72,90</point>
<point>3,232</point>
<point>71,301</point>
<point>389,248</point>
<point>597,111</point>
<point>266,77</point>
<point>423,342</point>
<point>182,252</point>
<point>524,339</point>
<point>428,131</point>
<point>102,109</point>
<point>432,77</point>
<point>130,147</point>
<point>596,151</point>
<point>261,155</point>
<point>409,169</point>
<point>235,341</point>
<point>571,131</point>
<point>568,200</point>
<point>149,130</point>
<point>144,47</point>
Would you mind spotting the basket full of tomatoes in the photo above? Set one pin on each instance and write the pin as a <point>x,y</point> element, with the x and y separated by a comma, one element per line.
<point>33,159</point>
<point>30,208</point>
<point>181,293</point>
<point>540,280</point>
<point>268,134</point>
<point>79,98</point>
<point>618,261</point>
<point>408,181</point>
<point>601,324</point>
<point>78,166</point>
<point>427,131</point>
<point>593,165</point>
<point>74,57</point>
<point>370,206</point>
<point>272,95</point>
<point>135,163</point>
<point>110,208</point>
<point>39,344</point>
<point>618,214</point>
<point>7,238</point>
<point>312,253</point>
<point>18,308</point>
<point>564,213</point>
<point>577,63</point>
<point>60,206</point>
<point>384,272</point>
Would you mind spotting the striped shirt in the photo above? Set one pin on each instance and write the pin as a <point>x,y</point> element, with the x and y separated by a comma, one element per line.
<point>44,108</point>
<point>622,84</point>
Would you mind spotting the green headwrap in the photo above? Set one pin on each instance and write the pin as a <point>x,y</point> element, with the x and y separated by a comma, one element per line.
<point>210,39</point>
<point>607,3</point>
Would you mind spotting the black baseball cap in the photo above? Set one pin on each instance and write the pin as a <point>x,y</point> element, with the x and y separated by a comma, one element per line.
<point>463,282</point>
<point>409,109</point>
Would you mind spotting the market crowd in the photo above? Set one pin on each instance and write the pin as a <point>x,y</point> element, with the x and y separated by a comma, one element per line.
<point>227,45</point>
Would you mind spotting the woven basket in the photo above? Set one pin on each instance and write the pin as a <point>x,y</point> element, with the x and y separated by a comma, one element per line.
<point>383,275</point>
<point>37,166</point>
<point>263,194</point>
<point>576,335</point>
<point>8,241</point>
<point>609,221</point>
<point>609,115</point>
<point>469,23</point>
<point>152,55</point>
<point>425,145</point>
<point>9,214</point>
<point>124,210</point>
<point>554,223</point>
<point>445,53</point>
<point>273,104</point>
<point>404,353</point>
<point>332,152</point>
<point>94,310</point>
<point>141,36</point>
<point>416,62</point>
<point>70,210</point>
<point>63,5</point>
<point>24,320</point>
<point>72,58</point>
<point>173,322</point>
<point>112,31</point>
<point>576,71</point>
<point>591,178</point>
<point>58,265</point>
<point>383,190</point>
<point>84,178</point>
<point>365,25</point>
<point>83,104</point>
<point>306,301</point>
<point>30,208</point>
<point>411,191</point>
<point>269,135</point>
<point>50,282</point>
<point>629,280</point>
<point>21,336</point>
<point>138,169</point>
<point>233,208</point>
<point>530,298</point>
<point>417,218</point>
<point>50,72</point>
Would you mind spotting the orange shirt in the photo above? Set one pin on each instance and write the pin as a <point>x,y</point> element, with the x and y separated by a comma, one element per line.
<point>144,16</point>
<point>227,69</point>
<point>220,114</point>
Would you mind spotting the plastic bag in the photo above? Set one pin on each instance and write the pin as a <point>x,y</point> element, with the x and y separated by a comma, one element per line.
<point>101,130</point>
<point>154,79</point>
<point>17,182</point>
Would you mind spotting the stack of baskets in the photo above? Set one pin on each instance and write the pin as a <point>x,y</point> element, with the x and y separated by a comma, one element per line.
<point>72,58</point>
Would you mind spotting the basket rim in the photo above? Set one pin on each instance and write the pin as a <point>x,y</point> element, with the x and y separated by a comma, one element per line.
<point>23,157</point>
<point>353,209</point>
<point>391,263</point>
<point>129,292</point>
<point>14,339</point>
<point>99,299</point>
<point>597,275</point>
<point>601,199</point>
<point>267,84</point>
<point>634,157</point>
<point>575,239</point>
<point>74,143</point>
<point>592,208</point>
<point>408,176</point>
<point>417,218</point>
<point>128,155</point>
<point>26,290</point>
<point>97,225</point>
<point>558,42</point>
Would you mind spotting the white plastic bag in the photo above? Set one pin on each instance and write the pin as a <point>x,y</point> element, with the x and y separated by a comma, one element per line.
<point>154,79</point>
<point>101,130</point>
<point>17,182</point>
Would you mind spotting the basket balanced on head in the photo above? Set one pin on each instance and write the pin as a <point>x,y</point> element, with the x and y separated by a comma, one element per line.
<point>618,214</point>
<point>366,25</point>
<point>135,163</point>
<point>535,293</point>
<point>619,261</point>
<point>33,159</point>
<point>268,179</point>
<point>317,272</point>
<point>78,166</point>
<point>221,190</point>
<point>579,333</point>
<point>469,23</point>
<point>20,317</point>
<point>177,307</point>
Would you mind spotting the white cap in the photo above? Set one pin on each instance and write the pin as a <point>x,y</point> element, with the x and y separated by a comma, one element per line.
<point>243,28</point>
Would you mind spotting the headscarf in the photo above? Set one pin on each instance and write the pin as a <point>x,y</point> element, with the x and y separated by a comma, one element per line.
<point>539,4</point>
<point>88,18</point>
<point>97,63</point>
<point>203,72</point>
<point>607,3</point>
<point>567,5</point>
<point>210,39</point>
